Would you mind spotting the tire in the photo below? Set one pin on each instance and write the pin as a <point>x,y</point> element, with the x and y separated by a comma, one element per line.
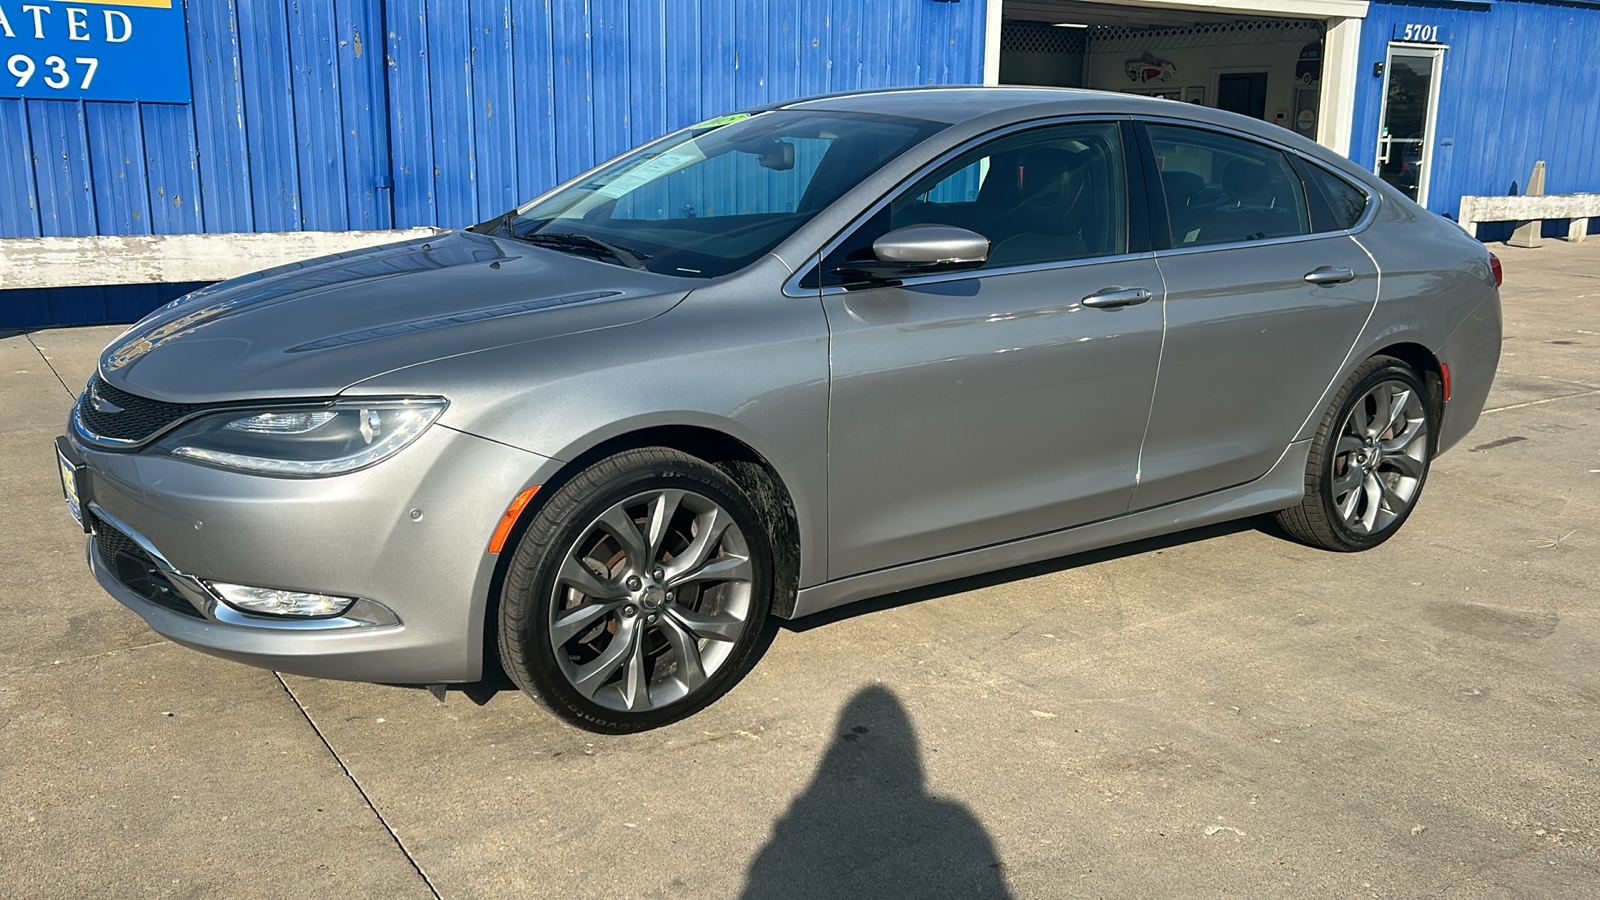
<point>1368,460</point>
<point>615,614</point>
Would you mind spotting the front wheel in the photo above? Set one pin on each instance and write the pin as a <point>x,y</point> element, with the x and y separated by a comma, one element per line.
<point>1368,461</point>
<point>638,592</point>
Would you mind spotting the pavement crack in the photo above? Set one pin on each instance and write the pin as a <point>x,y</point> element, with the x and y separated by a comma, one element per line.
<point>51,365</point>
<point>76,659</point>
<point>359,789</point>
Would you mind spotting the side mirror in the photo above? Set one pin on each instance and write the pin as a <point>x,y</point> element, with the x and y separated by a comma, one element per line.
<point>920,250</point>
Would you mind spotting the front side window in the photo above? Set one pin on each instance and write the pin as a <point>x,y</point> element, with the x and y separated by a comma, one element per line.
<point>715,198</point>
<point>1220,189</point>
<point>1048,195</point>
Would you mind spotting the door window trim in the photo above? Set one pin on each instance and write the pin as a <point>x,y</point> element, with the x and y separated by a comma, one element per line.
<point>1161,225</point>
<point>1138,224</point>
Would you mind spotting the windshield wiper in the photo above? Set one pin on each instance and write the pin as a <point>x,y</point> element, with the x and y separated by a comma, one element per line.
<point>567,240</point>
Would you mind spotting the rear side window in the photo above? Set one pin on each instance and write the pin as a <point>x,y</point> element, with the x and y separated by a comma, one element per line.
<point>1220,189</point>
<point>1345,204</point>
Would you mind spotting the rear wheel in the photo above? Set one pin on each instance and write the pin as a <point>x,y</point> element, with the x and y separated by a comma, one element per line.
<point>1368,461</point>
<point>638,592</point>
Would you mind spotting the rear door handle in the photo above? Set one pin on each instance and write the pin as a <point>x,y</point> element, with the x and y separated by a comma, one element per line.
<point>1329,275</point>
<point>1116,298</point>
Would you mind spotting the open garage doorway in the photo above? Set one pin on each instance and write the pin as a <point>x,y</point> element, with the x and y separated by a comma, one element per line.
<point>1263,61</point>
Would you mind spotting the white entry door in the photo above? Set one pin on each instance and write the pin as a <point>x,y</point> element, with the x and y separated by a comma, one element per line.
<point>1405,124</point>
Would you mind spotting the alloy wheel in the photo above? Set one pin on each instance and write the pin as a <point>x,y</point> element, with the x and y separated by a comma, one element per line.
<point>650,601</point>
<point>1380,457</point>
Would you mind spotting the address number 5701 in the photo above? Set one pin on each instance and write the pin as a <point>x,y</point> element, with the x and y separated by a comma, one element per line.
<point>23,68</point>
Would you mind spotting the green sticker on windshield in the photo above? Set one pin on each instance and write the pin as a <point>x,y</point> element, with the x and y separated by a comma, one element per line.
<point>720,121</point>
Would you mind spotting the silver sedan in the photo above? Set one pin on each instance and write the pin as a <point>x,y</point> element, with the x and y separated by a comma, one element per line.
<point>770,364</point>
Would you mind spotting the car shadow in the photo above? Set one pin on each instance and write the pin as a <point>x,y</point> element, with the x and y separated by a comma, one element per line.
<point>1264,524</point>
<point>866,825</point>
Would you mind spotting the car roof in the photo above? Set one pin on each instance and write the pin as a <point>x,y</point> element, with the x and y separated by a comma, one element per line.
<point>946,104</point>
<point>985,106</point>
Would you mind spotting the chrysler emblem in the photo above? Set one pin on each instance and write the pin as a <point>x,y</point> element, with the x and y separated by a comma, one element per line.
<point>100,403</point>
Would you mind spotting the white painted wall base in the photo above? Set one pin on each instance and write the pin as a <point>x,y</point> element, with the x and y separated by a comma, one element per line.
<point>59,262</point>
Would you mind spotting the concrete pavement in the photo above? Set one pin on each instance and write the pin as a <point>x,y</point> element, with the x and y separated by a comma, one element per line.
<point>1218,712</point>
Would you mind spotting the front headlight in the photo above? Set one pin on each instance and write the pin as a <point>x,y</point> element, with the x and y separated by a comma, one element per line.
<point>308,442</point>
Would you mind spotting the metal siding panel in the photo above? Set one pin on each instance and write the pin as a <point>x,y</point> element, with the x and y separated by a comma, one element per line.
<point>683,61</point>
<point>494,111</point>
<point>215,73</point>
<point>784,39</point>
<point>363,100</point>
<point>117,168</point>
<point>816,66</point>
<point>411,114</point>
<point>19,197</point>
<point>535,144</point>
<point>269,100</point>
<point>844,48</point>
<point>610,77</point>
<point>173,168</point>
<point>66,201</point>
<point>319,139</point>
<point>454,127</point>
<point>750,58</point>
<point>717,73</point>
<point>28,308</point>
<point>574,99</point>
<point>76,306</point>
<point>647,73</point>
<point>907,46</point>
<point>874,42</point>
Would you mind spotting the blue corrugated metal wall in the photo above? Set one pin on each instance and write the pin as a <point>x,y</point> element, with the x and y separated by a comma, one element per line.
<point>350,114</point>
<point>1520,82</point>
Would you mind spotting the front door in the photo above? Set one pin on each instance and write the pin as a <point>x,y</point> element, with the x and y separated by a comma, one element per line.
<point>975,408</point>
<point>1410,105</point>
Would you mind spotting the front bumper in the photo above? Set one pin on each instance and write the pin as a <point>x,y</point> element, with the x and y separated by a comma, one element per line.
<point>409,536</point>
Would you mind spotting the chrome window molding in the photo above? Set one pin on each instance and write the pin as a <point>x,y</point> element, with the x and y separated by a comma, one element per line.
<point>792,288</point>
<point>1264,242</point>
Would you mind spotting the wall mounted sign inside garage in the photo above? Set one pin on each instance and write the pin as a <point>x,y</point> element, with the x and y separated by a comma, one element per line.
<point>94,50</point>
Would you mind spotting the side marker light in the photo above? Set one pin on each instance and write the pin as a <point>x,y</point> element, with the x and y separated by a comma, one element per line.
<point>509,520</point>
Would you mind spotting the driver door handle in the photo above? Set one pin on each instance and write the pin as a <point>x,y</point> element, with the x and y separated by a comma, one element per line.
<point>1329,275</point>
<point>1116,298</point>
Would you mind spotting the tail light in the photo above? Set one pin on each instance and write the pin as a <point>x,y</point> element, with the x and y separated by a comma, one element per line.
<point>1494,266</point>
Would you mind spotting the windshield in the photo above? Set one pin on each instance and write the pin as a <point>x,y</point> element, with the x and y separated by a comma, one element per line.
<point>718,196</point>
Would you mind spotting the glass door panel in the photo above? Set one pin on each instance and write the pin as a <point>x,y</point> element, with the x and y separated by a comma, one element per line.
<point>1405,134</point>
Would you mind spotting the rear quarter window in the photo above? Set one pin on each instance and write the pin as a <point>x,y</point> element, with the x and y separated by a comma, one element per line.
<point>1345,204</point>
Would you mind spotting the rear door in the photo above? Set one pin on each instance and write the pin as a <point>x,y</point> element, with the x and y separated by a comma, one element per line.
<point>978,407</point>
<point>1263,307</point>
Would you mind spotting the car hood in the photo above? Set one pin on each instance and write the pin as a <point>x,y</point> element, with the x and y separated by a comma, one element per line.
<point>317,327</point>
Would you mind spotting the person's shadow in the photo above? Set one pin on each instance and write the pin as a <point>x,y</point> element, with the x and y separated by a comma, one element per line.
<point>866,827</point>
